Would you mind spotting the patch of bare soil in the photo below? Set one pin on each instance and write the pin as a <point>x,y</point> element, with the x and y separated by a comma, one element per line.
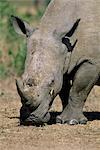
<point>49,137</point>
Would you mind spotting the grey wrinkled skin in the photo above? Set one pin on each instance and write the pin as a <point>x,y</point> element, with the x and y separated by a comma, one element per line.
<point>52,69</point>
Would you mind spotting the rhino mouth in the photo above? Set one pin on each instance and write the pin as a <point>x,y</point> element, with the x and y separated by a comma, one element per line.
<point>35,120</point>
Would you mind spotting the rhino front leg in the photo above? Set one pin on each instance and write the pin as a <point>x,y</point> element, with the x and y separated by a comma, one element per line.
<point>84,80</point>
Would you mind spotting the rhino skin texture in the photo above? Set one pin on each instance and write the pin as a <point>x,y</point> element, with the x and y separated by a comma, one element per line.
<point>50,67</point>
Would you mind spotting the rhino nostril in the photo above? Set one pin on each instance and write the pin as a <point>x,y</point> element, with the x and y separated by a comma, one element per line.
<point>29,82</point>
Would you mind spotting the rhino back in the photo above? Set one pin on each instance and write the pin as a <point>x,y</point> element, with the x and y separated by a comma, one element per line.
<point>88,33</point>
<point>61,15</point>
<point>57,18</point>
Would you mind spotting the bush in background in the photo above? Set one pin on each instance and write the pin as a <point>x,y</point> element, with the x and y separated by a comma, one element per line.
<point>12,46</point>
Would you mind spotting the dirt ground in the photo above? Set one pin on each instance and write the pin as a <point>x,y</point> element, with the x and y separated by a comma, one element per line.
<point>49,137</point>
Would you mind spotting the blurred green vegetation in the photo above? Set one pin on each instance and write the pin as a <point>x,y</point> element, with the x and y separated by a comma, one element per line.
<point>12,46</point>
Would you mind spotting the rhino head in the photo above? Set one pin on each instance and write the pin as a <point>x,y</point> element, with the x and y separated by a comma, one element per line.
<point>43,75</point>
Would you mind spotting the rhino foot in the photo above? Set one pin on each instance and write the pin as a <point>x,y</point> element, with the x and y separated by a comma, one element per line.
<point>71,122</point>
<point>71,118</point>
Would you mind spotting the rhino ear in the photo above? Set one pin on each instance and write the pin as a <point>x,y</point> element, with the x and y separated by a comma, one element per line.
<point>21,27</point>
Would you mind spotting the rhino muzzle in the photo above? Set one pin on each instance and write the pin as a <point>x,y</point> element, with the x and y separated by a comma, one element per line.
<point>27,117</point>
<point>30,112</point>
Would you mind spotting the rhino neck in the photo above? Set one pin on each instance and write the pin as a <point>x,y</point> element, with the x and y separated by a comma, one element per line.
<point>58,18</point>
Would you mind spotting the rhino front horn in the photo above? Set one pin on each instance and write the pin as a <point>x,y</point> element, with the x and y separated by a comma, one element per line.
<point>19,85</point>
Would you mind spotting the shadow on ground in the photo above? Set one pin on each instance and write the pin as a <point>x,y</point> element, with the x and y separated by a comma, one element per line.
<point>90,116</point>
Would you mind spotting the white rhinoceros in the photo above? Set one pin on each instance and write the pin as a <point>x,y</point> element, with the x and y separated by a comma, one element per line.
<point>50,65</point>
